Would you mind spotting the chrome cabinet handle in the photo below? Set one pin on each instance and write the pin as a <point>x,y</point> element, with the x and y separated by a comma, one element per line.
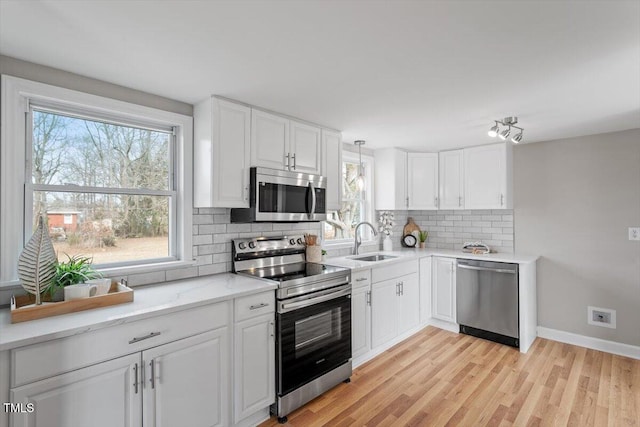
<point>501,199</point>
<point>407,201</point>
<point>397,289</point>
<point>435,201</point>
<point>368,298</point>
<point>152,380</point>
<point>271,329</point>
<point>293,156</point>
<point>361,279</point>
<point>135,378</point>
<point>287,166</point>
<point>459,201</point>
<point>257,306</point>
<point>146,337</point>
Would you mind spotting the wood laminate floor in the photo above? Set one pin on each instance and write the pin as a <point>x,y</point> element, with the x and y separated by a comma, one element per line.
<point>438,378</point>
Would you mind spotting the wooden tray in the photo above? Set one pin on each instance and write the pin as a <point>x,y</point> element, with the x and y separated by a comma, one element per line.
<point>23,307</point>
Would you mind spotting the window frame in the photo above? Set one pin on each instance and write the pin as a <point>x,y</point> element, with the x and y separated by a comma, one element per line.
<point>351,157</point>
<point>16,97</point>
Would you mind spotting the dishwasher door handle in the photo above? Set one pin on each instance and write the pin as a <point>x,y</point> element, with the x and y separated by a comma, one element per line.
<point>495,270</point>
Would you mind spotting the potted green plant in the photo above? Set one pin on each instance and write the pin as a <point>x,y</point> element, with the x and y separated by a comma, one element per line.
<point>423,238</point>
<point>76,269</point>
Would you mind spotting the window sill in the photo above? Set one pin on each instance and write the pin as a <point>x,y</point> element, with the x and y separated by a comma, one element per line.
<point>145,268</point>
<point>347,244</point>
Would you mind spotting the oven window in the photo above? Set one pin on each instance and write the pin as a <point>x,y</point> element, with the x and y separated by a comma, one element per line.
<point>314,332</point>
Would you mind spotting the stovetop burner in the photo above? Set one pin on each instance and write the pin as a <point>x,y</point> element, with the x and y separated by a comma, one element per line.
<point>282,259</point>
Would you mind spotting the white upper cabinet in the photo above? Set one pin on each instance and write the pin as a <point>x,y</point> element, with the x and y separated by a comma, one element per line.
<point>451,179</point>
<point>422,180</point>
<point>488,177</point>
<point>280,143</point>
<point>269,140</point>
<point>332,168</point>
<point>305,148</point>
<point>222,147</point>
<point>390,179</point>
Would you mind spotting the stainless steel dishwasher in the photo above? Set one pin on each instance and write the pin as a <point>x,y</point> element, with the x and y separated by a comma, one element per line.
<point>487,300</point>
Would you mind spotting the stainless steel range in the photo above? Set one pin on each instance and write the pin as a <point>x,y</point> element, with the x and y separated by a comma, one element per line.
<point>313,317</point>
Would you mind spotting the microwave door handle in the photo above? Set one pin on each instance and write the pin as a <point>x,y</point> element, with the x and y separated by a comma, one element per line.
<point>311,211</point>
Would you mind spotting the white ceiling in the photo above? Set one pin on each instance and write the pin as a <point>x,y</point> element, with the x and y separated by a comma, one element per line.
<point>426,75</point>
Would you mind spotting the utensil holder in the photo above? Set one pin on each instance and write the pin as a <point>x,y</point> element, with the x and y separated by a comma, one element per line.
<point>314,254</point>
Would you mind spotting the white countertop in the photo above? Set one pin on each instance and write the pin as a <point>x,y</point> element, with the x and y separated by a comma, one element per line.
<point>407,254</point>
<point>148,301</point>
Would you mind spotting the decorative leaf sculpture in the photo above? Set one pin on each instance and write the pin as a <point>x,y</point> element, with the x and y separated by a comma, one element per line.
<point>37,262</point>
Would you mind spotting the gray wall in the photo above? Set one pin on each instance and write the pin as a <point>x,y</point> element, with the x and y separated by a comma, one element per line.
<point>574,201</point>
<point>40,73</point>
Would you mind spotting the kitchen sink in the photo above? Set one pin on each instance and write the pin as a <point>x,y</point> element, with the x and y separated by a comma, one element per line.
<point>373,258</point>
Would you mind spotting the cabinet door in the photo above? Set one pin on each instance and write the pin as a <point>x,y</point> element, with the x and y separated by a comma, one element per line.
<point>102,395</point>
<point>360,321</point>
<point>305,148</point>
<point>425,290</point>
<point>186,382</point>
<point>422,180</point>
<point>409,303</point>
<point>269,140</point>
<point>222,145</point>
<point>444,289</point>
<point>485,177</point>
<point>332,168</point>
<point>451,179</point>
<point>390,179</point>
<point>231,154</point>
<point>384,311</point>
<point>254,370</point>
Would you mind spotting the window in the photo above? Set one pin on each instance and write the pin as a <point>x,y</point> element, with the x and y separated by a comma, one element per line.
<point>117,177</point>
<point>112,179</point>
<point>357,205</point>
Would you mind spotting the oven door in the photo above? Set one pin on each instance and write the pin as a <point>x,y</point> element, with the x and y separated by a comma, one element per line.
<point>314,336</point>
<point>299,197</point>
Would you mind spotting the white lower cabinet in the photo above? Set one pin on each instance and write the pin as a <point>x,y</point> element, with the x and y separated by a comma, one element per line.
<point>254,359</point>
<point>185,382</point>
<point>102,395</point>
<point>444,289</point>
<point>254,365</point>
<point>395,308</point>
<point>203,367</point>
<point>360,321</point>
<point>425,290</point>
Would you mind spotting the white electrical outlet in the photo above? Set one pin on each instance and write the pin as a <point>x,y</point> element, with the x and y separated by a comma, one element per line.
<point>601,317</point>
<point>634,233</point>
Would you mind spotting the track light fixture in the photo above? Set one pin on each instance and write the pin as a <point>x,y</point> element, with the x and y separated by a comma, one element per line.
<point>509,122</point>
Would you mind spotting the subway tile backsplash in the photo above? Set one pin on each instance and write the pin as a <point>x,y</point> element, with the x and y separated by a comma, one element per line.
<point>449,229</point>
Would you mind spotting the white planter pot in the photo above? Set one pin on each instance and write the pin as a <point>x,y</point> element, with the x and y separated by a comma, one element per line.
<point>387,244</point>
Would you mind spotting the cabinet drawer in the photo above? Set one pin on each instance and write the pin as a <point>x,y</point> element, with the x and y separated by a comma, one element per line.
<point>255,305</point>
<point>360,278</point>
<point>46,359</point>
<point>394,270</point>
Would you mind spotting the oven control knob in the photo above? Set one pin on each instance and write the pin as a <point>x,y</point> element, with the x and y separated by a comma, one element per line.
<point>252,245</point>
<point>292,241</point>
<point>299,240</point>
<point>241,245</point>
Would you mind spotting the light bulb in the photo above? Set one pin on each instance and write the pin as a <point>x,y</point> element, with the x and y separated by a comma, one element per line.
<point>504,134</point>
<point>360,182</point>
<point>517,138</point>
<point>493,132</point>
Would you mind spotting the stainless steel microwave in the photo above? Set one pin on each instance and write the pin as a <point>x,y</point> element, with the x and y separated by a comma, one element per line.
<point>283,196</point>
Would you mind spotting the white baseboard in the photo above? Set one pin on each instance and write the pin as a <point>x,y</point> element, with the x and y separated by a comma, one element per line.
<point>613,347</point>
<point>447,326</point>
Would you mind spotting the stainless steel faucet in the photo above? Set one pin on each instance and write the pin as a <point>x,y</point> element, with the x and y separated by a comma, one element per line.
<point>358,241</point>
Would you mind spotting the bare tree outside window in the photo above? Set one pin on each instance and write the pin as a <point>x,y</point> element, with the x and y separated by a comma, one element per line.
<point>341,224</point>
<point>111,182</point>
